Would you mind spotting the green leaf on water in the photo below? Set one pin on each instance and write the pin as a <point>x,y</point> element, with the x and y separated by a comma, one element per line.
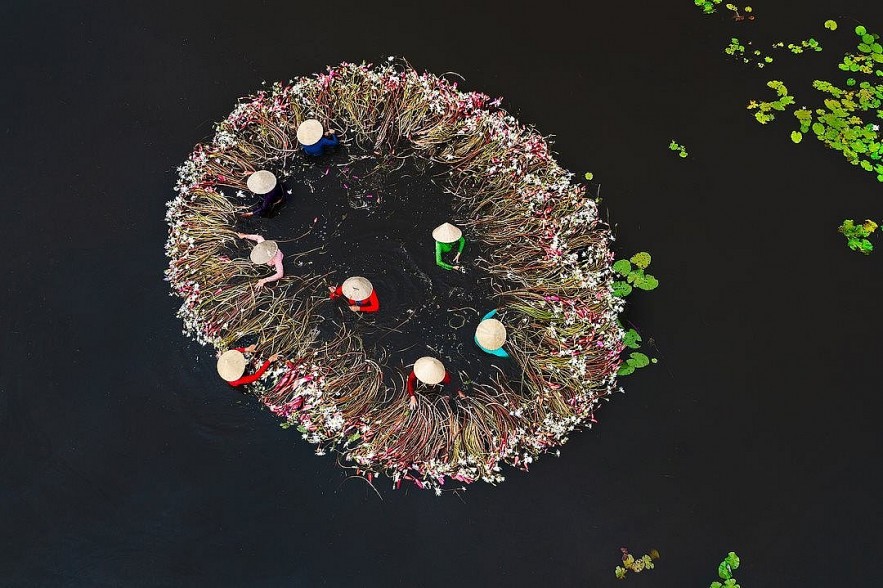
<point>589,176</point>
<point>641,259</point>
<point>638,360</point>
<point>860,31</point>
<point>625,369</point>
<point>646,282</point>
<point>621,289</point>
<point>631,339</point>
<point>831,25</point>
<point>622,267</point>
<point>796,136</point>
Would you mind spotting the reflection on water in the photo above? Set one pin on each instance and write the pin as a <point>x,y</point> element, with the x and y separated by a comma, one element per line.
<point>375,219</point>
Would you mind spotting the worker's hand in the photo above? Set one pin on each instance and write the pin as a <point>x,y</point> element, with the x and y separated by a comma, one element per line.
<point>274,357</point>
<point>456,267</point>
<point>259,284</point>
<point>353,307</point>
<point>331,289</point>
<point>457,258</point>
<point>240,235</point>
<point>251,348</point>
<point>412,403</point>
<point>460,394</point>
<point>246,215</point>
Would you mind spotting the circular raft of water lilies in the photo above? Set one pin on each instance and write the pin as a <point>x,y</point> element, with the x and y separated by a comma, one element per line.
<point>550,264</point>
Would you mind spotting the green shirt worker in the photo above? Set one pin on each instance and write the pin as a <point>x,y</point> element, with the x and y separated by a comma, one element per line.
<point>447,237</point>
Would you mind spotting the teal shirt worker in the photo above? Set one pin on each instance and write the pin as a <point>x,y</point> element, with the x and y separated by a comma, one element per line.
<point>490,335</point>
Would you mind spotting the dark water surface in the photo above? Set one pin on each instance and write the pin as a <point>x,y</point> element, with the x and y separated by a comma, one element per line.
<point>350,214</point>
<point>125,461</point>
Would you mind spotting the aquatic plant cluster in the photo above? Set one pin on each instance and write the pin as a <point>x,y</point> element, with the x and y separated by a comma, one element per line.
<point>632,564</point>
<point>848,120</point>
<point>725,572</point>
<point>737,49</point>
<point>550,268</point>
<point>857,235</point>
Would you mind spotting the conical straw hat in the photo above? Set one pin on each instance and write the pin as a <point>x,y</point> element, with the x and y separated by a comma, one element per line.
<point>357,288</point>
<point>490,334</point>
<point>261,182</point>
<point>446,233</point>
<point>429,370</point>
<point>264,252</point>
<point>231,365</point>
<point>309,132</point>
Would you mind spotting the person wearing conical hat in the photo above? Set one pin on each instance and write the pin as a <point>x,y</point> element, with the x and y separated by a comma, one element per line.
<point>265,252</point>
<point>430,371</point>
<point>447,237</point>
<point>232,364</point>
<point>263,183</point>
<point>490,335</point>
<point>314,139</point>
<point>359,294</point>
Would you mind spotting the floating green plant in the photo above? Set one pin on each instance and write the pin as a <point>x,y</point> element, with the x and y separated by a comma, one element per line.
<point>589,176</point>
<point>831,25</point>
<point>725,572</point>
<point>635,360</point>
<point>805,45</point>
<point>848,118</point>
<point>739,16</point>
<point>857,235</point>
<point>765,110</point>
<point>737,50</point>
<point>707,6</point>
<point>675,146</point>
<point>630,563</point>
<point>632,270</point>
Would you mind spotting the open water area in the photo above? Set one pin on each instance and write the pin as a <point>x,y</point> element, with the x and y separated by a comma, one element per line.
<point>126,461</point>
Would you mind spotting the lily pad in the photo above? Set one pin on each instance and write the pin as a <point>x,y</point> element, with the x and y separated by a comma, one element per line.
<point>641,259</point>
<point>625,369</point>
<point>646,282</point>
<point>831,25</point>
<point>638,360</point>
<point>796,136</point>
<point>621,289</point>
<point>632,339</point>
<point>622,267</point>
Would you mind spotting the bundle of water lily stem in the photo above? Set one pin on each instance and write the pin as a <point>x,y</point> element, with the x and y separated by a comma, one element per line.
<point>550,265</point>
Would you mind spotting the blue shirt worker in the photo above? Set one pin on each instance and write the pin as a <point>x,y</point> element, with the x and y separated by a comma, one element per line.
<point>314,139</point>
<point>490,335</point>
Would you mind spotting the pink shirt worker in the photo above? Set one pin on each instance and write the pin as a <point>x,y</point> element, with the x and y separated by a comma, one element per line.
<point>265,252</point>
